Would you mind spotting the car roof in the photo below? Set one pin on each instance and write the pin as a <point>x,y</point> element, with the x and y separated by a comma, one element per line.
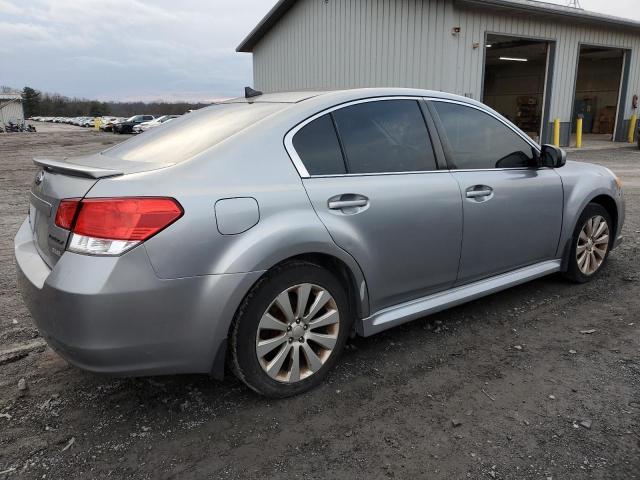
<point>345,95</point>
<point>316,102</point>
<point>278,97</point>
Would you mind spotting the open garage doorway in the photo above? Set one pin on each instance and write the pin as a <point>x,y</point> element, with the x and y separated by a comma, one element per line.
<point>515,80</point>
<point>597,93</point>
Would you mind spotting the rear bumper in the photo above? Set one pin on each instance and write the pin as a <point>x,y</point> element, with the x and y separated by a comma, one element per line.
<point>114,315</point>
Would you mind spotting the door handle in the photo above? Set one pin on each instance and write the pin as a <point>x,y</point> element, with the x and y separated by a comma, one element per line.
<point>347,200</point>
<point>478,193</point>
<point>340,204</point>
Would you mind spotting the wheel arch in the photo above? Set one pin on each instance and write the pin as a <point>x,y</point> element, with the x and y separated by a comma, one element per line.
<point>356,289</point>
<point>601,198</point>
<point>609,204</point>
<point>346,270</point>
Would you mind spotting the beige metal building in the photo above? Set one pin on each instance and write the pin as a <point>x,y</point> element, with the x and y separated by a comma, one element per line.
<point>10,108</point>
<point>530,60</point>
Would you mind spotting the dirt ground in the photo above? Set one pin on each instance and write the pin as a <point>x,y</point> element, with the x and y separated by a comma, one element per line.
<point>503,387</point>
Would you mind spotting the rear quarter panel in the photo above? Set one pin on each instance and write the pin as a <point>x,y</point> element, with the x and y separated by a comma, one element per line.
<point>251,164</point>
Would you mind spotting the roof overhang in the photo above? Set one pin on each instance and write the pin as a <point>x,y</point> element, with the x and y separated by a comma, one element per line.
<point>531,7</point>
<point>6,100</point>
<point>269,20</point>
<point>551,11</point>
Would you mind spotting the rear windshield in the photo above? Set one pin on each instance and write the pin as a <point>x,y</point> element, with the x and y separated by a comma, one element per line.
<point>192,133</point>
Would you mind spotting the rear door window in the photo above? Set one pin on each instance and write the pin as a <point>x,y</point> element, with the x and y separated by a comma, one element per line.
<point>318,148</point>
<point>385,136</point>
<point>476,140</point>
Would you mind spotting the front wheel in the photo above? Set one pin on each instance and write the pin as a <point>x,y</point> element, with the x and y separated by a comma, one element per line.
<point>592,240</point>
<point>290,330</point>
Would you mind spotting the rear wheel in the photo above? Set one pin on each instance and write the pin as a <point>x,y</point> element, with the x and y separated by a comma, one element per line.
<point>591,243</point>
<point>290,330</point>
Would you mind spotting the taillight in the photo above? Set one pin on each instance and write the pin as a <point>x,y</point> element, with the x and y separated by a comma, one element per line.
<point>67,212</point>
<point>111,226</point>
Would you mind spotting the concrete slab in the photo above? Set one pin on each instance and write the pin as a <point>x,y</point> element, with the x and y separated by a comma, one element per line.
<point>594,141</point>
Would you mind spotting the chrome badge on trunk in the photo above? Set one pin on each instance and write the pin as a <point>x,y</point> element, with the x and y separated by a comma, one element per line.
<point>39,177</point>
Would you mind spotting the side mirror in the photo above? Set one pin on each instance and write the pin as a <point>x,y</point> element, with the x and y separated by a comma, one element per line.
<point>552,157</point>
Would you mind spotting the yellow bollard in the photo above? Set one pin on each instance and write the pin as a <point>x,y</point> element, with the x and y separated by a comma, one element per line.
<point>579,132</point>
<point>632,127</point>
<point>96,123</point>
<point>556,132</point>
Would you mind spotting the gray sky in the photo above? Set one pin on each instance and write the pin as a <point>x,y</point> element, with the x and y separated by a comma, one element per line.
<point>144,50</point>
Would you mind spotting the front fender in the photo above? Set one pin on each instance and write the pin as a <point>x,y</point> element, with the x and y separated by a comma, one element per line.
<point>582,183</point>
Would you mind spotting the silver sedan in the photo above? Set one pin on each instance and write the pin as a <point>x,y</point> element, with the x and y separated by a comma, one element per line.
<point>263,231</point>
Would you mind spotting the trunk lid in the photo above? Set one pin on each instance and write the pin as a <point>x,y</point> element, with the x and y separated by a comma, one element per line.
<point>57,180</point>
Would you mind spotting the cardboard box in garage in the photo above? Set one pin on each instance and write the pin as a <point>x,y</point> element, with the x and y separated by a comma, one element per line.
<point>605,120</point>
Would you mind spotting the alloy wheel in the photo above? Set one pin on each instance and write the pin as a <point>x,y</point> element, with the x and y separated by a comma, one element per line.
<point>593,244</point>
<point>297,333</point>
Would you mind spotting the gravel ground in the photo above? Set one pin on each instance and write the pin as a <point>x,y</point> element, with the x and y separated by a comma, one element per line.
<point>503,387</point>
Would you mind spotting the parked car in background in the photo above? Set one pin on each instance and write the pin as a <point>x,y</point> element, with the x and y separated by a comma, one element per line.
<point>108,125</point>
<point>144,126</point>
<point>78,121</point>
<point>127,125</point>
<point>265,231</point>
<point>106,119</point>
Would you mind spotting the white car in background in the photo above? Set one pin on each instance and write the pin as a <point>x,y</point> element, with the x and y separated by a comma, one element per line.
<point>108,122</point>
<point>88,122</point>
<point>105,119</point>
<point>144,126</point>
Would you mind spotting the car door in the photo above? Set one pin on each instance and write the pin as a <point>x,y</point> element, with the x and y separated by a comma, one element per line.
<point>512,208</point>
<point>371,174</point>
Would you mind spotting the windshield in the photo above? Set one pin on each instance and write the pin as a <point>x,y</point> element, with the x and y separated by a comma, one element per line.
<point>193,133</point>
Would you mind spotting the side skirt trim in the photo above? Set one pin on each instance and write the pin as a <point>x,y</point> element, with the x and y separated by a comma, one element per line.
<point>405,312</point>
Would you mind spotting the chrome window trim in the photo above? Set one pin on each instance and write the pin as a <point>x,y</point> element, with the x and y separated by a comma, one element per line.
<point>297,161</point>
<point>375,174</point>
<point>304,173</point>
<point>422,172</point>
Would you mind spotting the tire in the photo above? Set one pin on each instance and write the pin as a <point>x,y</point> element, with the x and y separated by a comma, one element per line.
<point>587,269</point>
<point>251,357</point>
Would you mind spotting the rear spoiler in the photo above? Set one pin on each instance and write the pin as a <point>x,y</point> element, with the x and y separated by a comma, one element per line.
<point>75,169</point>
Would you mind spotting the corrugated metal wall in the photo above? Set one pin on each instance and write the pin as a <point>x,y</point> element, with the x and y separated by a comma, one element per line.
<point>10,112</point>
<point>326,44</point>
